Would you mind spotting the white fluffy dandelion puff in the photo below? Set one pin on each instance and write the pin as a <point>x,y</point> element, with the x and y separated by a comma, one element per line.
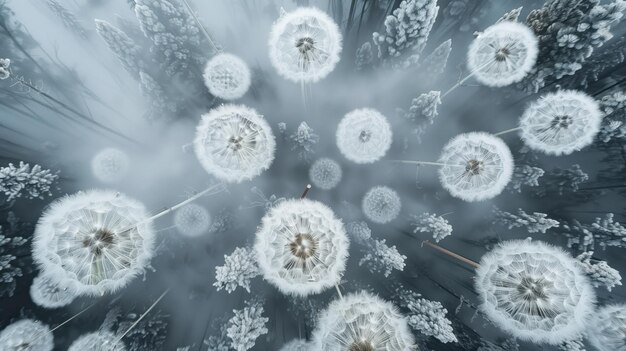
<point>477,166</point>
<point>364,135</point>
<point>503,54</point>
<point>607,328</point>
<point>362,321</point>
<point>297,345</point>
<point>304,45</point>
<point>381,204</point>
<point>192,220</point>
<point>234,143</point>
<point>91,239</point>
<point>48,292</point>
<point>98,341</point>
<point>534,291</point>
<point>110,165</point>
<point>227,76</point>
<point>561,123</point>
<point>26,335</point>
<point>325,173</point>
<point>301,247</point>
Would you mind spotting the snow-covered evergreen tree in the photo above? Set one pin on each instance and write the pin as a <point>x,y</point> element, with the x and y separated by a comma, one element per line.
<point>511,16</point>
<point>604,231</point>
<point>525,175</point>
<point>568,32</point>
<point>68,19</point>
<point>435,63</point>
<point>381,258</point>
<point>532,223</point>
<point>599,272</point>
<point>13,250</point>
<point>364,56</point>
<point>426,316</point>
<point>406,32</point>
<point>431,223</point>
<point>127,52</point>
<point>246,326</point>
<point>239,268</point>
<point>359,232</point>
<point>24,181</point>
<point>160,106</point>
<point>304,141</point>
<point>422,112</point>
<point>614,122</point>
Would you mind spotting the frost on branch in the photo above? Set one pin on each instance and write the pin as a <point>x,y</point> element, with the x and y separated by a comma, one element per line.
<point>148,334</point>
<point>127,52</point>
<point>25,181</point>
<point>427,317</point>
<point>533,223</point>
<point>380,258</point>
<point>406,32</point>
<point>239,268</point>
<point>68,19</point>
<point>359,232</point>
<point>13,253</point>
<point>303,141</point>
<point>511,16</point>
<point>431,223</point>
<point>160,105</point>
<point>435,63</point>
<point>613,124</point>
<point>561,181</point>
<point>603,231</point>
<point>525,175</point>
<point>568,33</point>
<point>246,326</point>
<point>364,56</point>
<point>599,272</point>
<point>422,112</point>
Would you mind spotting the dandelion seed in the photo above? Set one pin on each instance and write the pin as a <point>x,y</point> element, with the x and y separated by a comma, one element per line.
<point>362,322</point>
<point>98,341</point>
<point>192,220</point>
<point>93,241</point>
<point>561,123</point>
<point>110,165</point>
<point>534,291</point>
<point>503,54</point>
<point>301,247</point>
<point>477,166</point>
<point>325,173</point>
<point>305,45</point>
<point>234,143</point>
<point>364,135</point>
<point>381,204</point>
<point>296,345</point>
<point>47,292</point>
<point>227,76</point>
<point>607,328</point>
<point>26,335</point>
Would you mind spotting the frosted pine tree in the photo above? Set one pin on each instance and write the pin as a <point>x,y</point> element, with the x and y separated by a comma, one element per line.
<point>614,122</point>
<point>160,107</point>
<point>304,141</point>
<point>600,65</point>
<point>599,272</point>
<point>359,232</point>
<point>431,223</point>
<point>604,231</point>
<point>381,258</point>
<point>422,112</point>
<point>435,63</point>
<point>68,19</point>
<point>246,326</point>
<point>238,269</point>
<point>532,223</point>
<point>147,334</point>
<point>511,16</point>
<point>406,33</point>
<point>568,32</point>
<point>13,253</point>
<point>525,175</point>
<point>563,180</point>
<point>426,316</point>
<point>364,56</point>
<point>24,181</point>
<point>127,52</point>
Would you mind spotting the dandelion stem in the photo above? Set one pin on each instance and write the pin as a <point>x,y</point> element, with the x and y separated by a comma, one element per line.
<point>143,315</point>
<point>470,75</point>
<point>338,291</point>
<point>64,323</point>
<point>306,191</point>
<point>507,131</point>
<point>426,163</point>
<point>451,254</point>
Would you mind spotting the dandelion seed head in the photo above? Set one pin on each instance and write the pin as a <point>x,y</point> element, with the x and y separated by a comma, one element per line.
<point>192,220</point>
<point>325,173</point>
<point>26,335</point>
<point>534,291</point>
<point>48,292</point>
<point>110,165</point>
<point>234,143</point>
<point>362,322</point>
<point>297,345</point>
<point>478,166</point>
<point>96,241</point>
<point>503,54</point>
<point>381,204</point>
<point>304,45</point>
<point>227,76</point>
<point>364,135</point>
<point>560,123</point>
<point>607,328</point>
<point>98,341</point>
<point>301,247</point>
